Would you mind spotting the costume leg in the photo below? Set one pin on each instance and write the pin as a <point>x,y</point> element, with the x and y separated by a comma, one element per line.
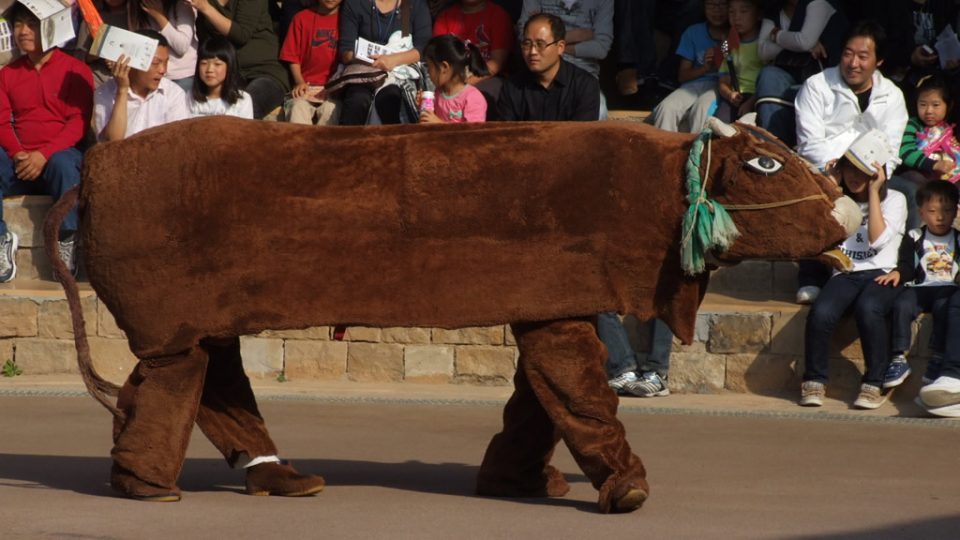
<point>563,361</point>
<point>516,463</point>
<point>228,413</point>
<point>229,417</point>
<point>160,401</point>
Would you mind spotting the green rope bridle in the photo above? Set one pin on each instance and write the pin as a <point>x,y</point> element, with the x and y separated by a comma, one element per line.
<point>706,224</point>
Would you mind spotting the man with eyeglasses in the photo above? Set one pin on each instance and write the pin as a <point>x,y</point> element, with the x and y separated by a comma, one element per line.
<point>551,89</point>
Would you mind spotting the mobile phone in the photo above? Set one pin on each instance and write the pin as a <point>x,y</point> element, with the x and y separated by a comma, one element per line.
<point>928,50</point>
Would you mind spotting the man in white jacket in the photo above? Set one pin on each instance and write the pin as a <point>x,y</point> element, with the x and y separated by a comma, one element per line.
<point>839,104</point>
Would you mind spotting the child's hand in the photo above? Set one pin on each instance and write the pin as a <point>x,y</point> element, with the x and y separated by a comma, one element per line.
<point>735,99</point>
<point>708,57</point>
<point>429,117</point>
<point>944,166</point>
<point>892,279</point>
<point>300,90</point>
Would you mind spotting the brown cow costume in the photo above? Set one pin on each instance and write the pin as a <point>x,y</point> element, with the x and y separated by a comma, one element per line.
<point>544,225</point>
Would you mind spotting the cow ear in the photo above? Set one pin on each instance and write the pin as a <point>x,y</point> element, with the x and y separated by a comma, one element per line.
<point>721,128</point>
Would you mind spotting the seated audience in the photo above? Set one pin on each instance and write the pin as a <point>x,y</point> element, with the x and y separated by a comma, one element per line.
<point>927,268</point>
<point>247,24</point>
<point>739,71</point>
<point>688,107</point>
<point>45,103</point>
<point>310,50</point>
<point>873,251</point>
<point>551,88</point>
<point>801,38</point>
<point>930,149</point>
<point>176,21</point>
<point>589,25</point>
<point>838,104</point>
<point>448,61</point>
<point>487,25</point>
<point>381,22</point>
<point>217,86</point>
<point>136,100</point>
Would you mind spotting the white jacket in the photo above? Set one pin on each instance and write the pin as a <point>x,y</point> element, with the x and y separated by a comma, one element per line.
<point>829,117</point>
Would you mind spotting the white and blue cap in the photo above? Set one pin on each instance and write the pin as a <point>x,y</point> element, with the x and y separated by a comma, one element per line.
<point>869,148</point>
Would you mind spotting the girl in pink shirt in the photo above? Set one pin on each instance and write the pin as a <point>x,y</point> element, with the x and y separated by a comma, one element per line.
<point>450,63</point>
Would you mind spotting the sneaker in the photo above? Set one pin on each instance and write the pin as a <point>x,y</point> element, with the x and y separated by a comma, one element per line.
<point>808,294</point>
<point>897,372</point>
<point>948,411</point>
<point>650,384</point>
<point>68,254</point>
<point>620,382</point>
<point>871,397</point>
<point>933,368</point>
<point>943,392</point>
<point>812,393</point>
<point>8,256</point>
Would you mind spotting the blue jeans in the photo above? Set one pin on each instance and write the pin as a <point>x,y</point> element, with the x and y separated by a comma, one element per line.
<point>774,117</point>
<point>621,358</point>
<point>61,173</point>
<point>870,304</point>
<point>951,356</point>
<point>913,301</point>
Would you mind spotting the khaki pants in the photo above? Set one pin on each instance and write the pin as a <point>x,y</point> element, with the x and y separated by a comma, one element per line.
<point>302,111</point>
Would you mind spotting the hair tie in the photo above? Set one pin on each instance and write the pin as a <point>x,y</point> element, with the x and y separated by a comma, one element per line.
<point>923,80</point>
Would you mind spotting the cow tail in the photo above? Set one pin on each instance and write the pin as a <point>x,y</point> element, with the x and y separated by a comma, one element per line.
<point>98,387</point>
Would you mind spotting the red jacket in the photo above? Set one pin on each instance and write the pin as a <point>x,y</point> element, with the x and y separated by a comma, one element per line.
<point>47,109</point>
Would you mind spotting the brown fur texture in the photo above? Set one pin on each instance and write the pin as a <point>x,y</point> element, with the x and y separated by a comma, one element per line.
<point>204,230</point>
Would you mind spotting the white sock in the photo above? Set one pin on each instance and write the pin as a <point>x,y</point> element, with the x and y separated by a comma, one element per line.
<point>261,459</point>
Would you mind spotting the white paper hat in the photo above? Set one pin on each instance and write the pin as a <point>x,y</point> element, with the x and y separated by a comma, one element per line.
<point>869,148</point>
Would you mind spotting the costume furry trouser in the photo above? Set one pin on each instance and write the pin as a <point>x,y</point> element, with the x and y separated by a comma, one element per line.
<point>164,396</point>
<point>560,392</point>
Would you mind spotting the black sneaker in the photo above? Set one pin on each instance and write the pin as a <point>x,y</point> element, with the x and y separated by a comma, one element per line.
<point>8,256</point>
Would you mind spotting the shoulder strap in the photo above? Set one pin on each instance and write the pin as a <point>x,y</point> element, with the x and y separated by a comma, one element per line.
<point>405,8</point>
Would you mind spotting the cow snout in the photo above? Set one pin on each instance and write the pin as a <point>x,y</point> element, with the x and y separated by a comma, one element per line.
<point>847,213</point>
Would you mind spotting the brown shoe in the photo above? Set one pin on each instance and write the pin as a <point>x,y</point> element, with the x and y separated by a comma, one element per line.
<point>130,486</point>
<point>550,483</point>
<point>282,480</point>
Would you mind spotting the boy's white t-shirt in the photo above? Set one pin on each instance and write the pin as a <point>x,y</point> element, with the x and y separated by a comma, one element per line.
<point>881,254</point>
<point>243,108</point>
<point>938,260</point>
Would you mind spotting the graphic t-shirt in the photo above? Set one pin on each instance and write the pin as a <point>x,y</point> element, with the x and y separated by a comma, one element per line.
<point>938,260</point>
<point>489,29</point>
<point>881,254</point>
<point>312,42</point>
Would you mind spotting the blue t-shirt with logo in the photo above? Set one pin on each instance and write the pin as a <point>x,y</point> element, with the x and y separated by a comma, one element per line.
<point>694,44</point>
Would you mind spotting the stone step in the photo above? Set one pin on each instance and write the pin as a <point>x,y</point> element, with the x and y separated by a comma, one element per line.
<point>742,345</point>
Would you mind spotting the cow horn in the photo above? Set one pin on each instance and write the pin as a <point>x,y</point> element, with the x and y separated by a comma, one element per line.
<point>721,128</point>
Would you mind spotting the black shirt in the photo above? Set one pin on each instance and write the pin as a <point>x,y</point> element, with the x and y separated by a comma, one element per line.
<point>863,98</point>
<point>573,95</point>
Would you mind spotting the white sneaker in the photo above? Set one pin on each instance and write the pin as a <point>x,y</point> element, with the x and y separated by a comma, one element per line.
<point>808,294</point>
<point>941,397</point>
<point>622,381</point>
<point>8,256</point>
<point>812,393</point>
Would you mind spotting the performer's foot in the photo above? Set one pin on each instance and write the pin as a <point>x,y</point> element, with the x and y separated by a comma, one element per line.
<point>625,496</point>
<point>281,479</point>
<point>550,484</point>
<point>130,486</point>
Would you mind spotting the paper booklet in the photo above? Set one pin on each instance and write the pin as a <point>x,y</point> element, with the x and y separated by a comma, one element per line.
<point>948,46</point>
<point>112,41</point>
<point>6,36</point>
<point>366,48</point>
<point>56,21</point>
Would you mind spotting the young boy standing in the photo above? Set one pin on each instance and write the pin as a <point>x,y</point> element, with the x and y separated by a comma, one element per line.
<point>310,48</point>
<point>739,71</point>
<point>927,266</point>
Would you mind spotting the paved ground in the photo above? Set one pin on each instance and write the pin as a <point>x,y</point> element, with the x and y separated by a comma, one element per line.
<point>400,462</point>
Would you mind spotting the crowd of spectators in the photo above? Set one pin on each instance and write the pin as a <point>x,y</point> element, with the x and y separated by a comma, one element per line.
<point>818,74</point>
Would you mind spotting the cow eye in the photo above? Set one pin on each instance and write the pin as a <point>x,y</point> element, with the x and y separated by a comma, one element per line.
<point>765,165</point>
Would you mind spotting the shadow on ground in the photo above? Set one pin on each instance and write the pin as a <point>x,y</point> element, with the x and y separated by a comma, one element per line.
<point>90,476</point>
